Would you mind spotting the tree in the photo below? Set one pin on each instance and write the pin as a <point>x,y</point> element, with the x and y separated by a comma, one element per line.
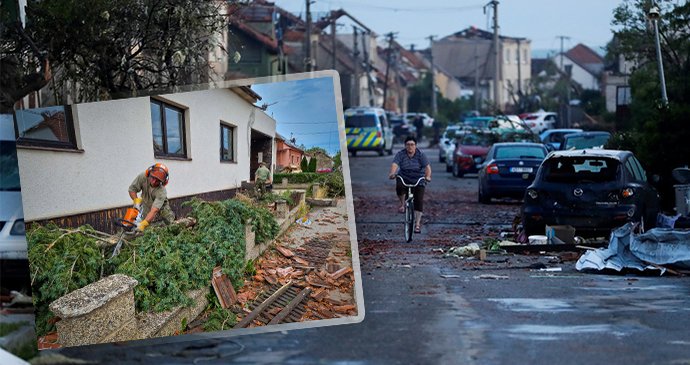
<point>658,134</point>
<point>105,49</point>
<point>304,164</point>
<point>449,111</point>
<point>312,164</point>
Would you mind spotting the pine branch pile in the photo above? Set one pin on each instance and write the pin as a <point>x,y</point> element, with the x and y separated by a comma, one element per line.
<point>167,261</point>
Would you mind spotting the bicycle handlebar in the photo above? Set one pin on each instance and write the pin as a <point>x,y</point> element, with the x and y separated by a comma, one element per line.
<point>408,185</point>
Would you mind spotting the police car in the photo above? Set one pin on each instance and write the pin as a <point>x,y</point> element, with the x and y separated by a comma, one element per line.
<point>368,129</point>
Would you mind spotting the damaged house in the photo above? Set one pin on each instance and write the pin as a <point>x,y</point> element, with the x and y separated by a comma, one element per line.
<point>76,162</point>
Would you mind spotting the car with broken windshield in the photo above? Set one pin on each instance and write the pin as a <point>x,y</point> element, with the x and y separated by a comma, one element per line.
<point>593,191</point>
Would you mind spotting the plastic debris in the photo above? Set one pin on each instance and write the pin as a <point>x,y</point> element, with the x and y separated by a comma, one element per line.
<point>468,250</point>
<point>304,221</point>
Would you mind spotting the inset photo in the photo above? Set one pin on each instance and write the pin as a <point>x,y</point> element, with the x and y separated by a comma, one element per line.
<point>227,209</point>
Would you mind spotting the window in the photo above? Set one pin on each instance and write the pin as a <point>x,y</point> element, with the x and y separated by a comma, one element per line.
<point>46,127</point>
<point>507,56</point>
<point>623,96</point>
<point>227,143</point>
<point>168,130</point>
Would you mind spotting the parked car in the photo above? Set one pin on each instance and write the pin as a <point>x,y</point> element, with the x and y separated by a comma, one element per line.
<point>482,123</point>
<point>594,191</point>
<point>541,121</point>
<point>470,151</point>
<point>447,139</point>
<point>582,140</point>
<point>14,266</point>
<point>402,128</point>
<point>367,129</point>
<point>554,137</point>
<point>450,149</point>
<point>509,168</point>
<point>428,121</point>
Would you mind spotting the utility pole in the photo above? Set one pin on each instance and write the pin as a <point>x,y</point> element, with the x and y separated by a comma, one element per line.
<point>476,77</point>
<point>391,37</point>
<point>519,67</point>
<point>434,107</point>
<point>370,87</point>
<point>654,14</point>
<point>307,48</point>
<point>562,37</point>
<point>497,60</point>
<point>355,54</point>
<point>569,71</point>
<point>333,27</point>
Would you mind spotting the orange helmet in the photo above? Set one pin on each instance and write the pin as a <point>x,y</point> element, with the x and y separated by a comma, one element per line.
<point>159,172</point>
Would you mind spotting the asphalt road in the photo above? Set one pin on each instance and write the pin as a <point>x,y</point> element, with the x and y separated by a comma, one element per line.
<point>492,312</point>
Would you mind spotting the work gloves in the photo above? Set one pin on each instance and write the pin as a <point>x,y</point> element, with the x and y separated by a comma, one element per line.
<point>137,203</point>
<point>142,225</point>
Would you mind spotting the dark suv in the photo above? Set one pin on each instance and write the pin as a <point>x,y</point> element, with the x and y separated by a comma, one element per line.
<point>592,190</point>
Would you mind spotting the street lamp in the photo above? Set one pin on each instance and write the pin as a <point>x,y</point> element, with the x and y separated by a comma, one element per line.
<point>654,16</point>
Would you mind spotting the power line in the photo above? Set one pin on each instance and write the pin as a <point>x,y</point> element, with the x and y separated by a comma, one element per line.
<point>410,9</point>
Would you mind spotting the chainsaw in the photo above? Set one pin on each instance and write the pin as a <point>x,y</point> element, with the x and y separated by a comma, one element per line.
<point>128,227</point>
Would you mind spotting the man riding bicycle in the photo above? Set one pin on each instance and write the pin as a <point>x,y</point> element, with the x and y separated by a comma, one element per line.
<point>411,164</point>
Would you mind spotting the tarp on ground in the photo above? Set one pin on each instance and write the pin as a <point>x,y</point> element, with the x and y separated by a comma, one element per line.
<point>628,250</point>
<point>617,256</point>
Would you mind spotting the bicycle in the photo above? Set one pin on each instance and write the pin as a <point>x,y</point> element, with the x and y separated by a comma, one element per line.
<point>409,207</point>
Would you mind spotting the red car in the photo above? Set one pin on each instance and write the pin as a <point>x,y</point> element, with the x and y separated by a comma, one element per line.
<point>470,152</point>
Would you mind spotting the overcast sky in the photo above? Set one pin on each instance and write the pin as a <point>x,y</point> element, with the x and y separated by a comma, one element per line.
<point>541,21</point>
<point>304,109</point>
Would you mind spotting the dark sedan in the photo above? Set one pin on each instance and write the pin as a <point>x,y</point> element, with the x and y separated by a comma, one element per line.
<point>509,168</point>
<point>592,190</point>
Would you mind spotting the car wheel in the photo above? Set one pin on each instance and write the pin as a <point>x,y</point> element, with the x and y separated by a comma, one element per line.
<point>382,151</point>
<point>483,198</point>
<point>354,153</point>
<point>449,168</point>
<point>455,169</point>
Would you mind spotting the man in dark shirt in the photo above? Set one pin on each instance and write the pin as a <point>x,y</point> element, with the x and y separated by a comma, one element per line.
<point>411,164</point>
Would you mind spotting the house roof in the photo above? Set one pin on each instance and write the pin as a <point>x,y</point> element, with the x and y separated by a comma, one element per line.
<point>246,93</point>
<point>287,142</point>
<point>474,32</point>
<point>586,58</point>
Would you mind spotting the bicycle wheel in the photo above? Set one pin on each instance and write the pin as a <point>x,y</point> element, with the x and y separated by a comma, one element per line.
<point>409,220</point>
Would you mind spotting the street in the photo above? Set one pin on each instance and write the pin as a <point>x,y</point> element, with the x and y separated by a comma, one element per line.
<point>422,308</point>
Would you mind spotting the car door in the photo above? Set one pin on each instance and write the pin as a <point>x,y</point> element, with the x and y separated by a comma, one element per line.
<point>387,132</point>
<point>650,194</point>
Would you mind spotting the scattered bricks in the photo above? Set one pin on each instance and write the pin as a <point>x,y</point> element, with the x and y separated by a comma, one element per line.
<point>271,279</point>
<point>284,271</point>
<point>300,261</point>
<point>332,267</point>
<point>336,275</point>
<point>320,294</point>
<point>223,288</point>
<point>284,251</point>
<point>344,308</point>
<point>99,312</point>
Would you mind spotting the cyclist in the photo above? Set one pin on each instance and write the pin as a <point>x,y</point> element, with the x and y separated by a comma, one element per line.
<point>411,164</point>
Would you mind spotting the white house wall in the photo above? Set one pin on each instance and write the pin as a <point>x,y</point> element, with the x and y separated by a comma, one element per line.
<point>579,74</point>
<point>116,137</point>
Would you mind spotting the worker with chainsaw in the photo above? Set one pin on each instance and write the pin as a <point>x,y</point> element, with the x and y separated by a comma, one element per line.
<point>153,202</point>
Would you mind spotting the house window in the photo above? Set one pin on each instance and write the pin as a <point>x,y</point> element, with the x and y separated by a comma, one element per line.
<point>227,143</point>
<point>507,56</point>
<point>251,53</point>
<point>623,96</point>
<point>168,130</point>
<point>46,127</point>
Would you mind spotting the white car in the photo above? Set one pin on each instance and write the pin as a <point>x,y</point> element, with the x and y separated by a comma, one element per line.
<point>447,139</point>
<point>12,240</point>
<point>541,121</point>
<point>14,265</point>
<point>428,121</point>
